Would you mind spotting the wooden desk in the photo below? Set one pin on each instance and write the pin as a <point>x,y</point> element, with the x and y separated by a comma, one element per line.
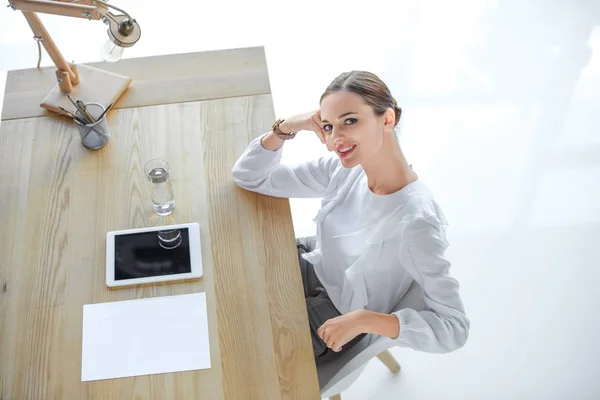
<point>58,200</point>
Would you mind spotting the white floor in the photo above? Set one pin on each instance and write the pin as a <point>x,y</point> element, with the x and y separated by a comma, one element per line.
<point>501,106</point>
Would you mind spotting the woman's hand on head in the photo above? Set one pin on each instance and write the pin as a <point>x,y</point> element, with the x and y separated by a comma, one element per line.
<point>308,121</point>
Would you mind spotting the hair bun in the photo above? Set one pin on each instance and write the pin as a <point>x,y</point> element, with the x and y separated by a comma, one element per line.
<point>397,110</point>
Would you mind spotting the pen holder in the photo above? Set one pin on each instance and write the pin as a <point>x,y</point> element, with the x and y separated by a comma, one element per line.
<point>94,136</point>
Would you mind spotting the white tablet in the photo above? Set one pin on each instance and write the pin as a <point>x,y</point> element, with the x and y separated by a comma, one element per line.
<point>149,255</point>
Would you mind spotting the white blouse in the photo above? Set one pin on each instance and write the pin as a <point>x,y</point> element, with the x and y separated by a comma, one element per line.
<point>369,247</point>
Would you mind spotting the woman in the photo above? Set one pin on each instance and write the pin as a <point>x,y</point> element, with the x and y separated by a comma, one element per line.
<point>378,230</point>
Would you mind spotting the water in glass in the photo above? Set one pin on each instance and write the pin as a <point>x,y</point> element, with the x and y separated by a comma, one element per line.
<point>162,193</point>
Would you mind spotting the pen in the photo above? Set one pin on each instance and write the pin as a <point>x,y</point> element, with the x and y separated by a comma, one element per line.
<point>75,117</point>
<point>85,112</point>
<point>105,111</point>
<point>72,101</point>
<point>78,109</point>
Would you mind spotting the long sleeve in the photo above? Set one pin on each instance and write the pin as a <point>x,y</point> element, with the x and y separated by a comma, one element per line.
<point>443,326</point>
<point>260,170</point>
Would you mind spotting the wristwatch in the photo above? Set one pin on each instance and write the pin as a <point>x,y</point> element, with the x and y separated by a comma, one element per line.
<point>279,133</point>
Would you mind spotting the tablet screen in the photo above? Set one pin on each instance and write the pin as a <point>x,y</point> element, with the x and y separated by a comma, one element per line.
<point>149,254</point>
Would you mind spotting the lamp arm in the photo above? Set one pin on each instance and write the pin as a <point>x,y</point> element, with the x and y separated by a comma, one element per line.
<point>89,9</point>
<point>113,7</point>
<point>40,31</point>
<point>75,10</point>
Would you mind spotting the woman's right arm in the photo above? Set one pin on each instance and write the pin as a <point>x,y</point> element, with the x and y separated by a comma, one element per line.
<point>259,169</point>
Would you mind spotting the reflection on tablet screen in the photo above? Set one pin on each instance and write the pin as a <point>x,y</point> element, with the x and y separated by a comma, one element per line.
<point>144,254</point>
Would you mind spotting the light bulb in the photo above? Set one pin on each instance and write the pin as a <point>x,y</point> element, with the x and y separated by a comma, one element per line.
<point>111,52</point>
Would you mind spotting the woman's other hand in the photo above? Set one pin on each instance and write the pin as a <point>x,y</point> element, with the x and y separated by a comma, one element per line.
<point>338,331</point>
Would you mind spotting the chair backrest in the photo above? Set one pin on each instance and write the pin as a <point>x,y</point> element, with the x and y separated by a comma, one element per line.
<point>337,375</point>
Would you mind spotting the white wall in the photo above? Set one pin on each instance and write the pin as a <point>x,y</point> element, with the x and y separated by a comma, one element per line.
<point>501,105</point>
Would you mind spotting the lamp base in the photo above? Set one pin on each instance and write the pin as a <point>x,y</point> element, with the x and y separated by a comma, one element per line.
<point>95,86</point>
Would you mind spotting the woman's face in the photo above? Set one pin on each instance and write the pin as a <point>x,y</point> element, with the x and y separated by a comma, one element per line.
<point>351,127</point>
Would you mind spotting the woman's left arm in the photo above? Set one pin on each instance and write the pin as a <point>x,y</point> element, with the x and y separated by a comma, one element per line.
<point>444,326</point>
<point>441,328</point>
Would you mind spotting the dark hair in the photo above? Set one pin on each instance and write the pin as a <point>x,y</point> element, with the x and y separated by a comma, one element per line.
<point>368,86</point>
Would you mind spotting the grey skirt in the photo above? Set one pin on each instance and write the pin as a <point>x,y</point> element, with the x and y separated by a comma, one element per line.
<point>318,304</point>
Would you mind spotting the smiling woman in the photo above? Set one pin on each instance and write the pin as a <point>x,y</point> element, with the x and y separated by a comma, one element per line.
<point>357,269</point>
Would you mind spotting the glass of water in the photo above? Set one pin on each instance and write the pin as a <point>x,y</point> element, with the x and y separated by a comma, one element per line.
<point>157,172</point>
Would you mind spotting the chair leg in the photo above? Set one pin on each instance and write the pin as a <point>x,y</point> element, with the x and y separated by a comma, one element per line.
<point>389,361</point>
<point>336,397</point>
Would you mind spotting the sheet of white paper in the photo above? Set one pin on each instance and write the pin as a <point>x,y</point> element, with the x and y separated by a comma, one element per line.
<point>146,336</point>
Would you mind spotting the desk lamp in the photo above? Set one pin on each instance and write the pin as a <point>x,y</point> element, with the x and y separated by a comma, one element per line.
<point>82,82</point>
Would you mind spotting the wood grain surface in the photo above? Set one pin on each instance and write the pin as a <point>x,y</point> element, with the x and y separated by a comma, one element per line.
<point>156,80</point>
<point>58,200</point>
